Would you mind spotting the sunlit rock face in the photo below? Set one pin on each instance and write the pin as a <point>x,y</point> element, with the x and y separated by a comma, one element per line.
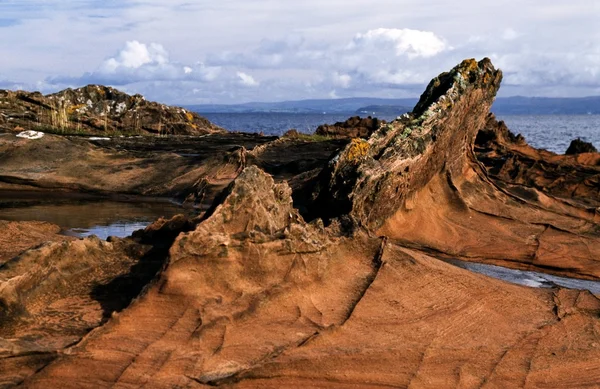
<point>96,109</point>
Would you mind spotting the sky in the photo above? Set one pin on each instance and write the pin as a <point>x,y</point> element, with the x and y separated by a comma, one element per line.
<point>233,51</point>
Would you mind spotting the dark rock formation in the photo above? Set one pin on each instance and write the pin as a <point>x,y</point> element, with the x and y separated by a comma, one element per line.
<point>189,169</point>
<point>512,164</point>
<point>579,146</point>
<point>97,109</point>
<point>354,127</point>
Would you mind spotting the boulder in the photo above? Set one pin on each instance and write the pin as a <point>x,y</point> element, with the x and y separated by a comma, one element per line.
<point>579,146</point>
<point>354,127</point>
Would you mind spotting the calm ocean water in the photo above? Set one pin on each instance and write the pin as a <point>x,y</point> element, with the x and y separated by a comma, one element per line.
<point>551,132</point>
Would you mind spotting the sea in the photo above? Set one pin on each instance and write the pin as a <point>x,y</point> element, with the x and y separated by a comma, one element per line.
<point>550,132</point>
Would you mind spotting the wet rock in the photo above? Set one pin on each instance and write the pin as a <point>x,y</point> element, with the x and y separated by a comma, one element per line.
<point>579,146</point>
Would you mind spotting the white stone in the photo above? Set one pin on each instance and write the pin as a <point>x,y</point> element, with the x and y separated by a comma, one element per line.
<point>30,134</point>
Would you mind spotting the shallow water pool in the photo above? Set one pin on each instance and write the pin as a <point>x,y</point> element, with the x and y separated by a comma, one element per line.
<point>84,218</point>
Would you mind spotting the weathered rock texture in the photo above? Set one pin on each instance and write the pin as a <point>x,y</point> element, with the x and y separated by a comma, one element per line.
<point>17,237</point>
<point>53,295</point>
<point>97,109</point>
<point>253,295</point>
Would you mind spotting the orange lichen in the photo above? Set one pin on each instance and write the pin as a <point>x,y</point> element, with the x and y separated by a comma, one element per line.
<point>358,150</point>
<point>189,116</point>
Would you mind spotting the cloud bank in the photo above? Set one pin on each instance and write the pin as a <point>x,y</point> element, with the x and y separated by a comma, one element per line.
<point>270,51</point>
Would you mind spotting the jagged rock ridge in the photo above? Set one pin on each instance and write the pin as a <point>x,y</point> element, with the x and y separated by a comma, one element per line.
<point>97,109</point>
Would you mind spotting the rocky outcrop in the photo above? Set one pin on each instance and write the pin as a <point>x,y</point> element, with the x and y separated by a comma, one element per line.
<point>256,294</point>
<point>510,162</point>
<point>96,109</point>
<point>256,297</point>
<point>419,181</point>
<point>579,146</point>
<point>372,179</point>
<point>193,170</point>
<point>53,295</point>
<point>354,127</point>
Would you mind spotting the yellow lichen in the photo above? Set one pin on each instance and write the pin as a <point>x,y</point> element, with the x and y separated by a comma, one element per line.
<point>71,109</point>
<point>358,149</point>
<point>189,116</point>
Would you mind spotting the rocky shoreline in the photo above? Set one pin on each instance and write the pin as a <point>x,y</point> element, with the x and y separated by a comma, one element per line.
<point>316,262</point>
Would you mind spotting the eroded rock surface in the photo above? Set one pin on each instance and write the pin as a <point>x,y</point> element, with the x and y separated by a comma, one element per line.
<point>193,170</point>
<point>420,181</point>
<point>253,295</point>
<point>256,297</point>
<point>55,294</point>
<point>96,109</point>
<point>17,237</point>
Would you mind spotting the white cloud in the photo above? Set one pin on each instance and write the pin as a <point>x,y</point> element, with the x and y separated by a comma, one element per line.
<point>246,79</point>
<point>140,62</point>
<point>135,55</point>
<point>295,50</point>
<point>341,80</point>
<point>412,43</point>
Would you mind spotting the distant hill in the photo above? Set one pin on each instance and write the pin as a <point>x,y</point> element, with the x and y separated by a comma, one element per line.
<point>349,105</point>
<point>517,105</point>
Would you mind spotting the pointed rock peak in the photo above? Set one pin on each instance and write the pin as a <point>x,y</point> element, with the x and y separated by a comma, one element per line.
<point>253,202</point>
<point>469,74</point>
